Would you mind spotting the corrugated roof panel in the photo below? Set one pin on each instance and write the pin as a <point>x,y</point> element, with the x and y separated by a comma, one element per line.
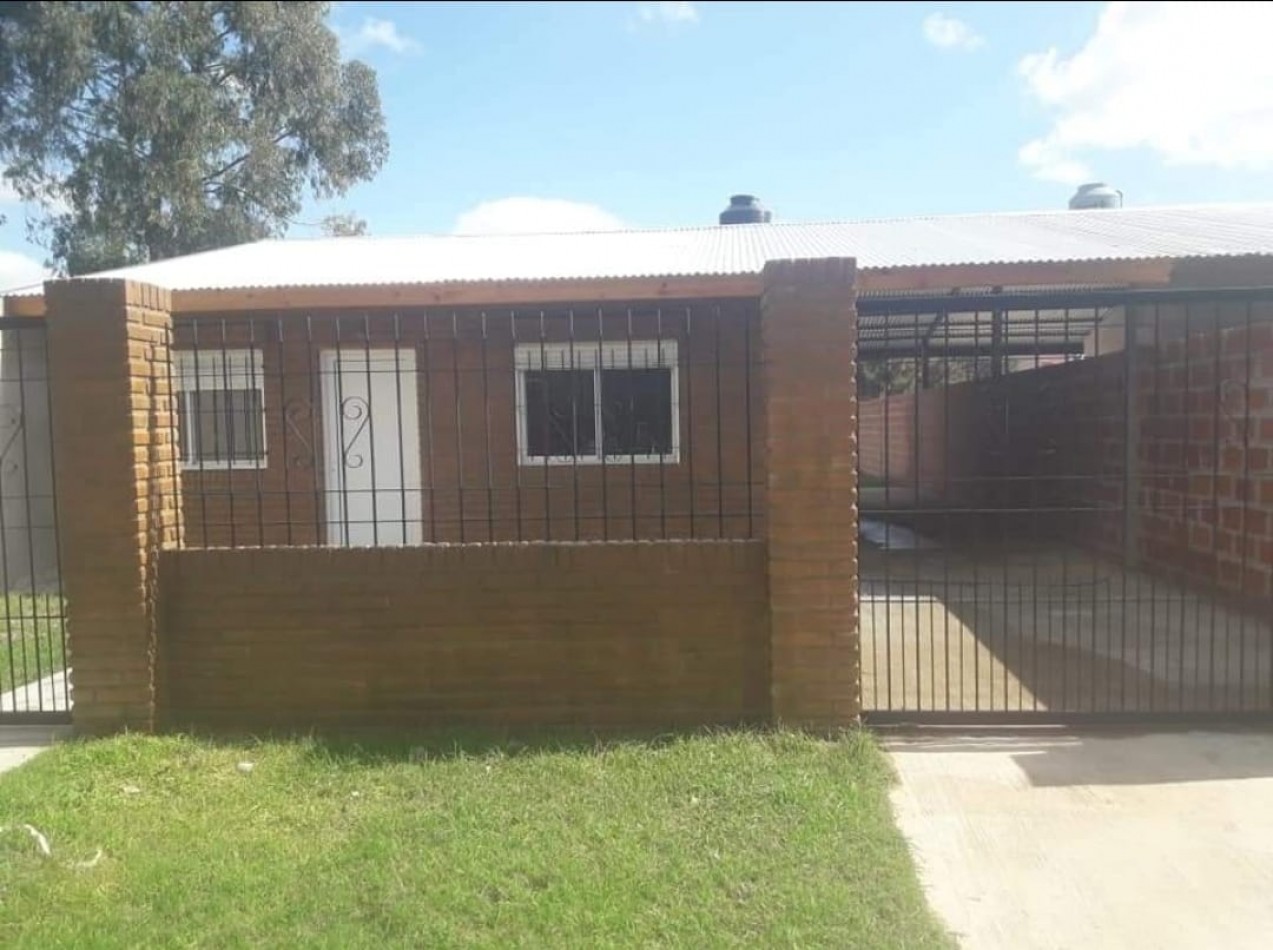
<point>1127,233</point>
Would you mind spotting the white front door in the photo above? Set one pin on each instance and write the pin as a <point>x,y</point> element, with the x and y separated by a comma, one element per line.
<point>371,438</point>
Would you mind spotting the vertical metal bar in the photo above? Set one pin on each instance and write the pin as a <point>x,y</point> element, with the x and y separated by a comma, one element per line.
<point>979,510</point>
<point>486,434</point>
<point>57,547</point>
<point>1216,395</point>
<point>1132,435</point>
<point>523,418</point>
<point>194,438</point>
<point>1158,367</point>
<point>342,450</point>
<point>887,558</point>
<point>5,335</point>
<point>1244,539</point>
<point>574,423</point>
<point>720,452</point>
<point>250,424</point>
<point>1036,532</point>
<point>1003,520</point>
<point>946,503</point>
<point>747,471</point>
<point>599,422</point>
<point>371,428</point>
<point>284,425</point>
<point>459,423</point>
<point>1186,509</point>
<point>1094,503</point>
<point>863,587</point>
<point>318,467</point>
<point>543,365</point>
<point>30,529</point>
<point>632,492</point>
<point>915,562</point>
<point>428,426</point>
<point>217,420</point>
<point>1065,555</point>
<point>402,448</point>
<point>674,409</point>
<point>689,414</point>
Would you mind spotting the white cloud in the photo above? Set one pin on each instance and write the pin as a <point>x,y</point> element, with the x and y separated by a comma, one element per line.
<point>1190,82</point>
<point>376,34</point>
<point>671,14</point>
<point>18,270</point>
<point>534,216</point>
<point>946,32</point>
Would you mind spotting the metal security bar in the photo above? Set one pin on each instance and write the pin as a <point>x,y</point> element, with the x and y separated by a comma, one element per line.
<point>33,651</point>
<point>1066,504</point>
<point>428,426</point>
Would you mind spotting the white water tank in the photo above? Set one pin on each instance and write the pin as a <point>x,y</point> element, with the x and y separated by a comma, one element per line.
<point>1096,194</point>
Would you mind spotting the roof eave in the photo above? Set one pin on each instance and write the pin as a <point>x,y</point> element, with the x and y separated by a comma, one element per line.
<point>916,278</point>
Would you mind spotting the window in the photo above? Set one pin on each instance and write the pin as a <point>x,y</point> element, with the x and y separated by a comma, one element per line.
<point>221,409</point>
<point>578,400</point>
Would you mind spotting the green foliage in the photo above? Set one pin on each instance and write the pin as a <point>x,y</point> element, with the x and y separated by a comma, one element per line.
<point>343,225</point>
<point>733,839</point>
<point>150,129</point>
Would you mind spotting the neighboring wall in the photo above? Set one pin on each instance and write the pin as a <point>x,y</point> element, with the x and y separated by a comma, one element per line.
<point>619,634</point>
<point>473,488</point>
<point>1045,452</point>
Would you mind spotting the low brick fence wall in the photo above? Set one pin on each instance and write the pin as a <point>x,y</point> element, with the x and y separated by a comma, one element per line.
<point>618,634</point>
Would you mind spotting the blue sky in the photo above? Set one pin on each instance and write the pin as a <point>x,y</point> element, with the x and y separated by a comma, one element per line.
<point>651,114</point>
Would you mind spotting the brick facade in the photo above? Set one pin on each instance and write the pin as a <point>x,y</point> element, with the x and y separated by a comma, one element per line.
<point>809,331</point>
<point>474,489</point>
<point>116,487</point>
<point>619,634</point>
<point>542,630</point>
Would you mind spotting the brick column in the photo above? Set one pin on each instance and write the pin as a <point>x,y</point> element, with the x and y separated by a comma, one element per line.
<point>809,339</point>
<point>117,488</point>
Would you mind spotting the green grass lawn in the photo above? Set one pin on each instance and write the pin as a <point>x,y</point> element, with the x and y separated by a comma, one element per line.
<point>30,638</point>
<point>727,839</point>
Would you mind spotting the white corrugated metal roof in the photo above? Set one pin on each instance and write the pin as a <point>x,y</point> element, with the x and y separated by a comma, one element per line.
<point>1127,233</point>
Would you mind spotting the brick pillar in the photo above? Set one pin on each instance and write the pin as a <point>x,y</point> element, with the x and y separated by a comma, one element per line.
<point>117,488</point>
<point>809,338</point>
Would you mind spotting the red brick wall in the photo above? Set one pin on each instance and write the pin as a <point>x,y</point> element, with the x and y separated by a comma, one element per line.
<point>474,488</point>
<point>1055,439</point>
<point>655,634</point>
<point>1206,457</point>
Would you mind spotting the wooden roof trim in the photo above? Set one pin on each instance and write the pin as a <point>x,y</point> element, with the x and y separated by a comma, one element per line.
<point>498,293</point>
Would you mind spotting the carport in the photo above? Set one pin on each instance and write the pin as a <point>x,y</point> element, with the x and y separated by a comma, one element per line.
<point>1066,503</point>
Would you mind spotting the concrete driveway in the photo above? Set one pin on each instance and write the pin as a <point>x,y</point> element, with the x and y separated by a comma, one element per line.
<point>1094,840</point>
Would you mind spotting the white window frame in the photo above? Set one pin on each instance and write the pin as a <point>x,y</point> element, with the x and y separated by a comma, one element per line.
<point>201,371</point>
<point>619,354</point>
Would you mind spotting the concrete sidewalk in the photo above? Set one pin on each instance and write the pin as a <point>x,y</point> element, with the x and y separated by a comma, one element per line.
<point>20,743</point>
<point>1092,841</point>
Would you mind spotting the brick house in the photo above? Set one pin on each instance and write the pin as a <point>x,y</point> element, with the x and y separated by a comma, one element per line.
<point>494,408</point>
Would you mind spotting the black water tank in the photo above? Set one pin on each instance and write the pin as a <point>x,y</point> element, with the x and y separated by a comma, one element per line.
<point>745,209</point>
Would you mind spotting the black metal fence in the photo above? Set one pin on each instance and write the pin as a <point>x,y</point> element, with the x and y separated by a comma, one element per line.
<point>33,610</point>
<point>390,428</point>
<point>1067,504</point>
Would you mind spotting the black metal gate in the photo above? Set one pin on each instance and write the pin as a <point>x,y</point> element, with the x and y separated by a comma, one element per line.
<point>33,685</point>
<point>1066,505</point>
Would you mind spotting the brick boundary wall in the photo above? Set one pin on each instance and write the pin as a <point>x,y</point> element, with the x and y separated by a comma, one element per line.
<point>666,633</point>
<point>117,488</point>
<point>1202,491</point>
<point>609,635</point>
<point>808,328</point>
